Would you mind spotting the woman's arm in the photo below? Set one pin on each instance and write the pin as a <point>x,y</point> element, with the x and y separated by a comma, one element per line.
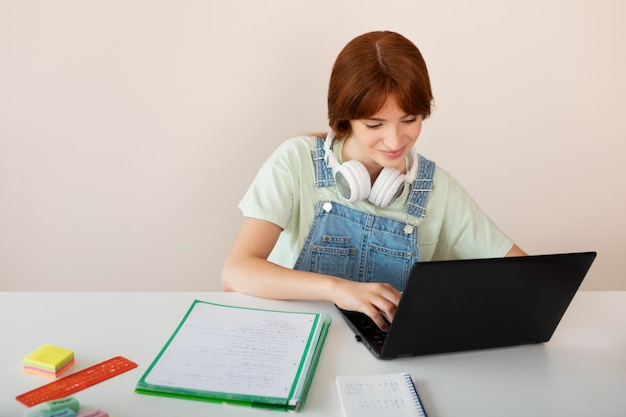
<point>516,251</point>
<point>247,270</point>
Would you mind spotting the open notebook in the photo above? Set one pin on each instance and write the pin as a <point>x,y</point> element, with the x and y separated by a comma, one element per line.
<point>450,306</point>
<point>239,355</point>
<point>376,395</point>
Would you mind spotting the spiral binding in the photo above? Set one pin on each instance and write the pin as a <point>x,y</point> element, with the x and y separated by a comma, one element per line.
<point>415,396</point>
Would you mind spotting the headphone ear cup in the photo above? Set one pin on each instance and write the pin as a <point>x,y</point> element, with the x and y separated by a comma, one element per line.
<point>387,187</point>
<point>353,181</point>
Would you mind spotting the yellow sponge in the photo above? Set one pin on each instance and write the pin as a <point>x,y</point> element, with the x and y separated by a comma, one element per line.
<point>49,360</point>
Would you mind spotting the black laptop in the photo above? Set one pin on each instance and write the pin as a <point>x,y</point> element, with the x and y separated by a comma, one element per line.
<point>452,306</point>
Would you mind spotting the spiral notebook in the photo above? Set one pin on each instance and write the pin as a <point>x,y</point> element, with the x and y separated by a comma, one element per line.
<point>392,395</point>
<point>239,355</point>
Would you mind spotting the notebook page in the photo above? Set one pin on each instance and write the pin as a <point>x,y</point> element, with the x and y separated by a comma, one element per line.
<point>235,350</point>
<point>392,395</point>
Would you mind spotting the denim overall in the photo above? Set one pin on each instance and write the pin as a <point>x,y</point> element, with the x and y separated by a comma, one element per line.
<point>363,247</point>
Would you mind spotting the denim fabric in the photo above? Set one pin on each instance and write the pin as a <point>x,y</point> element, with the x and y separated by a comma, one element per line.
<point>359,246</point>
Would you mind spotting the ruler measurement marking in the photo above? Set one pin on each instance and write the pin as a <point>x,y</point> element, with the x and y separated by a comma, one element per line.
<point>77,381</point>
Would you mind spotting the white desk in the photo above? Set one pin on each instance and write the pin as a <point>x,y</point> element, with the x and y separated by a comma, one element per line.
<point>580,372</point>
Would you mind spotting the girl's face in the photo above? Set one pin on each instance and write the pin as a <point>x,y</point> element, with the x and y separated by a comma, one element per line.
<point>384,139</point>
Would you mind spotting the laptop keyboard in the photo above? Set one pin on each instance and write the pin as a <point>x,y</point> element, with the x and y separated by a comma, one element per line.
<point>370,330</point>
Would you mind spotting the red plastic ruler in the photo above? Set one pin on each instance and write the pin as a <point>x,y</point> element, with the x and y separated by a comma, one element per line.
<point>77,381</point>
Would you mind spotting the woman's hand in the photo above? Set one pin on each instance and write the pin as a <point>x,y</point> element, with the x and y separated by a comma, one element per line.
<point>378,300</point>
<point>247,270</point>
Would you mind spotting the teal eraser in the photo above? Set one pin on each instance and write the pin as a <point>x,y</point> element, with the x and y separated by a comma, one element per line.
<point>95,413</point>
<point>66,412</point>
<point>48,407</point>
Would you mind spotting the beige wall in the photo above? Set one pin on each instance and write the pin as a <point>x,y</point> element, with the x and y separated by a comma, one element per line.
<point>130,129</point>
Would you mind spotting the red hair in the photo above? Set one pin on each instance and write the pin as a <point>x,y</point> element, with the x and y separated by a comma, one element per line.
<point>370,69</point>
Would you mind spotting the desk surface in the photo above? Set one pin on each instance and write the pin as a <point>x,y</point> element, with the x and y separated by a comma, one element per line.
<point>580,372</point>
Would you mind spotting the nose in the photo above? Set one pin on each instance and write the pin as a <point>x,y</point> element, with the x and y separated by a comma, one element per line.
<point>393,138</point>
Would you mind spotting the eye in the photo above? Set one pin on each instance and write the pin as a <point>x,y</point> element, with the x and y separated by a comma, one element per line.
<point>411,120</point>
<point>373,125</point>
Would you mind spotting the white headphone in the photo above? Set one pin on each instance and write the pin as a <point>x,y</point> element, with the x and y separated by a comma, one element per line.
<point>354,183</point>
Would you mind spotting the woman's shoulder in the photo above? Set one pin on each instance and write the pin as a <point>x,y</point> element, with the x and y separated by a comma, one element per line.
<point>446,187</point>
<point>297,147</point>
<point>439,173</point>
<point>301,143</point>
<point>443,181</point>
<point>293,155</point>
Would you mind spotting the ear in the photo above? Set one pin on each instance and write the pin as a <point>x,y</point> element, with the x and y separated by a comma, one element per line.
<point>343,129</point>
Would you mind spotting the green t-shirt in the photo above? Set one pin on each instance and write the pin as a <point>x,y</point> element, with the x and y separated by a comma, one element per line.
<point>284,193</point>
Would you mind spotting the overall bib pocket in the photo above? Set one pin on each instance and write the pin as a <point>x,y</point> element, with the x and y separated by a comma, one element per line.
<point>334,256</point>
<point>388,265</point>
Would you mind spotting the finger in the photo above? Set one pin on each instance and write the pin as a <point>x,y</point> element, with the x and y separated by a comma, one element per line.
<point>386,307</point>
<point>391,294</point>
<point>381,322</point>
<point>378,317</point>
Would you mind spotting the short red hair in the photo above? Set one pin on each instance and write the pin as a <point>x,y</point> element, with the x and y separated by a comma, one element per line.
<point>370,69</point>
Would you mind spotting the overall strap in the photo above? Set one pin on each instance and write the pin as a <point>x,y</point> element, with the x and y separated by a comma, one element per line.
<point>323,174</point>
<point>421,188</point>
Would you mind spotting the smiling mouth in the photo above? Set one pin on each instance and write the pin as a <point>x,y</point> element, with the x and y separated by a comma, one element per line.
<point>393,154</point>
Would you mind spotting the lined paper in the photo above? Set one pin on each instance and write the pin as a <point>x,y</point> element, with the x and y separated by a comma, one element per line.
<point>230,350</point>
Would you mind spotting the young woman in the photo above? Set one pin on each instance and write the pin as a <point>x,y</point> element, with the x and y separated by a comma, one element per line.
<point>343,216</point>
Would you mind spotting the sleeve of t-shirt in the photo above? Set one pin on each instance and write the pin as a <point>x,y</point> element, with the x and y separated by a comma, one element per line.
<point>468,231</point>
<point>270,196</point>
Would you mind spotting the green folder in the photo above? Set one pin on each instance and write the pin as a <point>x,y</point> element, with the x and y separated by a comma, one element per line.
<point>239,355</point>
